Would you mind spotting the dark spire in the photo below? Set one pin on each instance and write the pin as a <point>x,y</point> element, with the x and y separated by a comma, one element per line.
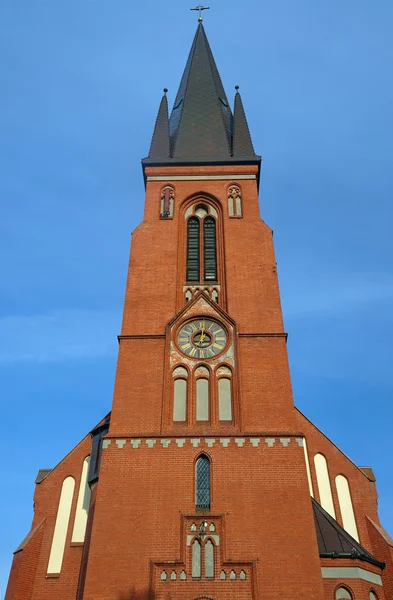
<point>242,144</point>
<point>159,147</point>
<point>201,125</point>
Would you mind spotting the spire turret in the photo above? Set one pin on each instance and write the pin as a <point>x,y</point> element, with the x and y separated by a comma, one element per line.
<point>159,147</point>
<point>242,143</point>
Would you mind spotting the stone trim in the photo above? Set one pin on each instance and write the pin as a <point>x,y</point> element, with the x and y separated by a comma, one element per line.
<point>210,442</point>
<point>350,573</point>
<point>198,177</point>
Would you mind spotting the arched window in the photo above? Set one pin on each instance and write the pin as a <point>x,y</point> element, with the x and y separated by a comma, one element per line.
<point>201,244</point>
<point>209,559</point>
<point>202,486</point>
<point>180,394</point>
<point>323,480</point>
<point>346,507</point>
<point>193,250</point>
<point>209,227</point>
<point>224,394</point>
<point>61,526</point>
<point>202,394</point>
<point>343,594</point>
<point>234,201</point>
<point>196,559</point>
<point>373,595</point>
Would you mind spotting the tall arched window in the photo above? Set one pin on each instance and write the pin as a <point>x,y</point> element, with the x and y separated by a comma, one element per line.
<point>201,245</point>
<point>193,250</point>
<point>202,486</point>
<point>209,247</point>
<point>209,559</point>
<point>202,394</point>
<point>180,394</point>
<point>224,375</point>
<point>196,559</point>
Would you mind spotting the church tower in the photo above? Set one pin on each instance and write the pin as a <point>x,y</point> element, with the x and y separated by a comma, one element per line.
<point>204,481</point>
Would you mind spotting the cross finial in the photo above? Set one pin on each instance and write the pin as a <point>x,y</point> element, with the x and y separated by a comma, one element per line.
<point>200,8</point>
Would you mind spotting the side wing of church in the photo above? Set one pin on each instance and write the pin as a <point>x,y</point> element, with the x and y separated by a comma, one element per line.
<point>204,481</point>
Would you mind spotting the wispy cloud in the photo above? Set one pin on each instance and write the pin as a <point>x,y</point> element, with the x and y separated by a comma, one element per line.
<point>58,335</point>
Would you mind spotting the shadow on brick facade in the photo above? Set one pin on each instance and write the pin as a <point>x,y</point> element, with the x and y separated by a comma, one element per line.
<point>134,594</point>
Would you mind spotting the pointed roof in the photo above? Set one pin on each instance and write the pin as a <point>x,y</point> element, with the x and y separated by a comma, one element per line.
<point>242,143</point>
<point>335,542</point>
<point>201,125</point>
<point>159,147</point>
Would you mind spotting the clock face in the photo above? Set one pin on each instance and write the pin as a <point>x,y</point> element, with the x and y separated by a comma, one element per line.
<point>202,338</point>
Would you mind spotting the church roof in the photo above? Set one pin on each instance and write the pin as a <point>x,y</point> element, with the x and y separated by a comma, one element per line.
<point>335,542</point>
<point>202,128</point>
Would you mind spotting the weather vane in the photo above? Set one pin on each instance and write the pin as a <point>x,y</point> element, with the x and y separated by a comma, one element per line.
<point>200,8</point>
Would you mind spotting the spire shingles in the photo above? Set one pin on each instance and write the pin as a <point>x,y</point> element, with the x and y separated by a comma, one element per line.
<point>242,143</point>
<point>201,128</point>
<point>159,147</point>
<point>201,117</point>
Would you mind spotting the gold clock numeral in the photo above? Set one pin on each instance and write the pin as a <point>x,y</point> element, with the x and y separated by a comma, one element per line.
<point>193,352</point>
<point>202,324</point>
<point>193,326</point>
<point>220,339</point>
<point>219,346</point>
<point>201,354</point>
<point>182,340</point>
<point>185,346</point>
<point>210,326</point>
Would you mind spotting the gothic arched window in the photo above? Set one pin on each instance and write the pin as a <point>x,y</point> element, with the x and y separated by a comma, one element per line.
<point>202,499</point>
<point>193,268</point>
<point>234,201</point>
<point>209,249</point>
<point>201,265</point>
<point>180,375</point>
<point>343,594</point>
<point>202,394</point>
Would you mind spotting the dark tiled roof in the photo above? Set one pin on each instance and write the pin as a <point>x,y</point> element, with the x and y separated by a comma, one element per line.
<point>160,141</point>
<point>335,542</point>
<point>201,125</point>
<point>242,144</point>
<point>42,473</point>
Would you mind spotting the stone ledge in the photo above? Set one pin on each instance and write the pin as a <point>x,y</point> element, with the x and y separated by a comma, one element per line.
<point>210,442</point>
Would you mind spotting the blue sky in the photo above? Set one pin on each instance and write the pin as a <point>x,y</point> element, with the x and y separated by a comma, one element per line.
<point>81,81</point>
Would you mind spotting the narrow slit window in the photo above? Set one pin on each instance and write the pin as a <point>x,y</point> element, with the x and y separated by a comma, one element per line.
<point>193,253</point>
<point>203,483</point>
<point>210,259</point>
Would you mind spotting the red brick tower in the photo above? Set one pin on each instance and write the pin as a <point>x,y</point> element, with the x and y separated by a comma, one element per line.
<point>205,481</point>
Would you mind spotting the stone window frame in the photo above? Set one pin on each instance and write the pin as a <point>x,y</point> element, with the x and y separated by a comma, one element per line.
<point>235,211</point>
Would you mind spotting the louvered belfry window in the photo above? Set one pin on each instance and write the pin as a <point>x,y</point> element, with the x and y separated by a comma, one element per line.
<point>203,483</point>
<point>209,230</point>
<point>193,250</point>
<point>201,247</point>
